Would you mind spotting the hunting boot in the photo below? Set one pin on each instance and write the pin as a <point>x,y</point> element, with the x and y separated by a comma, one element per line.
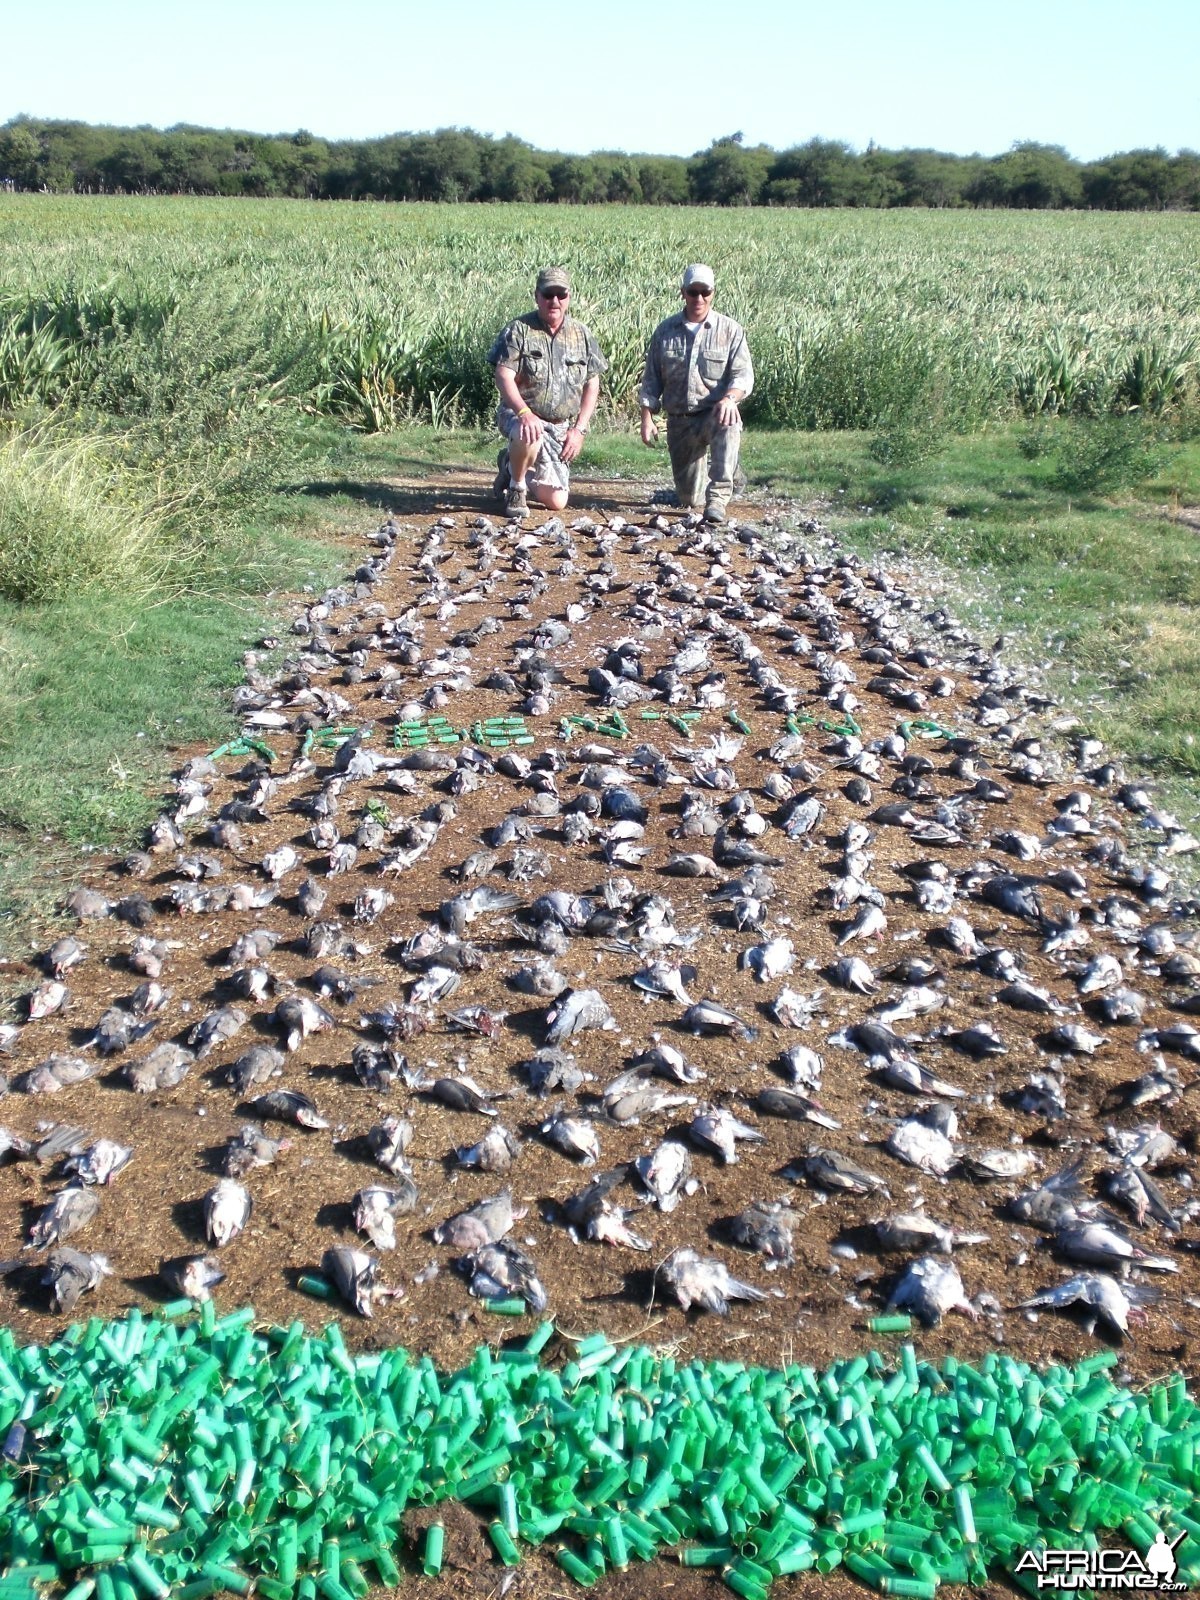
<point>500,485</point>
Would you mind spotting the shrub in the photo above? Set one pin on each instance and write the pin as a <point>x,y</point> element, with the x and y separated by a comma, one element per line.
<point>1105,455</point>
<point>63,531</point>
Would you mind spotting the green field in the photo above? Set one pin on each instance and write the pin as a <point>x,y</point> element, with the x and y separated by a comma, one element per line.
<point>1010,400</point>
<point>380,313</point>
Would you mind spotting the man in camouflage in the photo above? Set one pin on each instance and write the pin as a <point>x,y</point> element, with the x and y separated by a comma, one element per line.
<point>548,370</point>
<point>697,369</point>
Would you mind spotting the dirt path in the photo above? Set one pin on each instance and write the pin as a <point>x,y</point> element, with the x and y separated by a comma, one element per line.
<point>455,602</point>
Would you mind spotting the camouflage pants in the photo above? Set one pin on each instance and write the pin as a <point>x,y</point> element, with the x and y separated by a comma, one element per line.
<point>703,453</point>
<point>549,470</point>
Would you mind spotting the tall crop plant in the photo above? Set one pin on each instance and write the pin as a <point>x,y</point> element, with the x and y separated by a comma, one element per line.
<point>377,316</point>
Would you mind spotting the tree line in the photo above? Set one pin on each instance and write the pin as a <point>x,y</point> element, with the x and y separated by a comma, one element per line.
<point>458,164</point>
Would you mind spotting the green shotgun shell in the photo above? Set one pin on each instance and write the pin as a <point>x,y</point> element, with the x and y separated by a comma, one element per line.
<point>890,1324</point>
<point>575,1568</point>
<point>147,1579</point>
<point>964,1513</point>
<point>743,1584</point>
<point>614,1538</point>
<point>504,1545</point>
<point>174,1310</point>
<point>706,1555</point>
<point>539,1338</point>
<point>508,1508</point>
<point>435,1542</point>
<point>319,1288</point>
<point>354,1578</point>
<point>386,1567</point>
<point>226,1577</point>
<point>511,1307</point>
<point>796,1557</point>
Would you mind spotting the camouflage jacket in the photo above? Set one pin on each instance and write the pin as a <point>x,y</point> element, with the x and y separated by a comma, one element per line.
<point>551,369</point>
<point>686,373</point>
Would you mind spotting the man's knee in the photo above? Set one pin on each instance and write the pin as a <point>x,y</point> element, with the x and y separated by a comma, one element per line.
<point>552,499</point>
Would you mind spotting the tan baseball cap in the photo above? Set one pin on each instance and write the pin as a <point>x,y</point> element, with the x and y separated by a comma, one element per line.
<point>554,278</point>
<point>699,274</point>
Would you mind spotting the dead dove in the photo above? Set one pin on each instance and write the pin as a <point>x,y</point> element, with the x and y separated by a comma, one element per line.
<point>593,1214</point>
<point>916,1141</point>
<point>483,1223</point>
<point>830,1169</point>
<point>495,1152</point>
<point>100,1162</point>
<point>666,1173</point>
<point>767,1229</point>
<point>502,1270</point>
<point>70,1211</point>
<point>716,1129</point>
<point>249,1148</point>
<point>913,1230</point>
<point>704,1281</point>
<point>929,1287</point>
<point>576,1011</point>
<point>69,1274</point>
<point>574,1136</point>
<point>1095,1244</point>
<point>227,1209</point>
<point>353,1274</point>
<point>376,1210</point>
<point>288,1105</point>
<point>389,1141</point>
<point>776,1102</point>
<point>301,1017</point>
<point>1104,1299</point>
<point>194,1277</point>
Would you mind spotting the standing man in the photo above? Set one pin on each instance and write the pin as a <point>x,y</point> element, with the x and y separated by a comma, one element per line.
<point>697,369</point>
<point>548,370</point>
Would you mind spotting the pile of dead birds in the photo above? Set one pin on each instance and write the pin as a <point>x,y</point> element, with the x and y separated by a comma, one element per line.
<point>878,920</point>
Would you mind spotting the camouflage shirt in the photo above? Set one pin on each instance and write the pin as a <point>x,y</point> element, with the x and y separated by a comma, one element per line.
<point>690,372</point>
<point>551,369</point>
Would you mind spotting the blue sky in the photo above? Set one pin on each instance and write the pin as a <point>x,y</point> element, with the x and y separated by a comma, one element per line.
<point>1095,77</point>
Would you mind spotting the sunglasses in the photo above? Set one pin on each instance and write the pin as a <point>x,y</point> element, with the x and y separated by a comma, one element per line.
<point>697,290</point>
<point>554,294</point>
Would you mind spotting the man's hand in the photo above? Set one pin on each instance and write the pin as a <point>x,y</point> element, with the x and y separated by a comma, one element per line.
<point>649,427</point>
<point>727,413</point>
<point>572,444</point>
<point>530,429</point>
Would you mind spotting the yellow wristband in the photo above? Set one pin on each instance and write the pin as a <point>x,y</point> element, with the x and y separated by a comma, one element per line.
<point>524,412</point>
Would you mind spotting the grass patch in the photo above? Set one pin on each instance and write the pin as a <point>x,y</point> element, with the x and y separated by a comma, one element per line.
<point>98,693</point>
<point>63,531</point>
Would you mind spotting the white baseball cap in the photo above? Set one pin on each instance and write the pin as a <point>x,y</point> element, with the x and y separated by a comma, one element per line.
<point>698,273</point>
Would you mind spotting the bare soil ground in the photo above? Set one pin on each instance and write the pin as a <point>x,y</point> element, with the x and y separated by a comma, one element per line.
<point>818,1309</point>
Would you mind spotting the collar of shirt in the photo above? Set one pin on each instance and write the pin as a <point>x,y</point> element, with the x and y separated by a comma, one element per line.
<point>681,318</point>
<point>563,325</point>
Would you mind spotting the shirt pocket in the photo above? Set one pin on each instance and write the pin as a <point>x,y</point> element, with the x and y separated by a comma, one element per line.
<point>712,365</point>
<point>533,363</point>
